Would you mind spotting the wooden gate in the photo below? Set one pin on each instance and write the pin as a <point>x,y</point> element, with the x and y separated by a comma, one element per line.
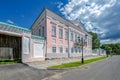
<point>10,47</point>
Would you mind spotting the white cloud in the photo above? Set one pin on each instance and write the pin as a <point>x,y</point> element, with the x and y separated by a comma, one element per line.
<point>108,41</point>
<point>80,7</point>
<point>59,4</point>
<point>10,21</point>
<point>96,14</point>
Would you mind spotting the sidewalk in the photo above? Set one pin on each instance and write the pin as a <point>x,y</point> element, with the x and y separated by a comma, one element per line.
<point>45,64</point>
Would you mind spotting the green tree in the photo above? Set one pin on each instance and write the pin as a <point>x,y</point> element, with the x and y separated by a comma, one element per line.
<point>95,40</point>
<point>112,48</point>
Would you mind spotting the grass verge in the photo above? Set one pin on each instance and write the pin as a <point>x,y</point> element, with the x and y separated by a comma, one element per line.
<point>6,62</point>
<point>10,61</point>
<point>76,64</point>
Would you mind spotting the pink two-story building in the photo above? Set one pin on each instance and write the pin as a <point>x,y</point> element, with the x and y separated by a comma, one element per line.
<point>61,35</point>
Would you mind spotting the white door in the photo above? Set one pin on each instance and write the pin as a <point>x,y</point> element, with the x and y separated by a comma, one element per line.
<point>38,50</point>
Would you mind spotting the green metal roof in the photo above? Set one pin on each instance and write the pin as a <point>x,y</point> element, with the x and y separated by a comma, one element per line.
<point>17,27</point>
<point>25,29</point>
<point>38,37</point>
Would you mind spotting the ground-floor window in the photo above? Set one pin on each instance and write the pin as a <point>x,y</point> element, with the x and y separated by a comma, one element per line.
<point>79,50</point>
<point>72,50</point>
<point>54,49</point>
<point>76,50</point>
<point>66,50</point>
<point>61,49</point>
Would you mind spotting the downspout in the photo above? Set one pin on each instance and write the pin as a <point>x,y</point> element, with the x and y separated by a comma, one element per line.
<point>68,42</point>
<point>46,34</point>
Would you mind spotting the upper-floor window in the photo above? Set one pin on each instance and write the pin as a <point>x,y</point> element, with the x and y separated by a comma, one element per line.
<point>72,50</point>
<point>71,36</point>
<point>66,34</point>
<point>76,37</point>
<point>53,30</point>
<point>42,31</point>
<point>79,39</point>
<point>60,33</point>
<point>61,49</point>
<point>66,50</point>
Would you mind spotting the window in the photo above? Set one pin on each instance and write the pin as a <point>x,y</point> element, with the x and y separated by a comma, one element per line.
<point>54,49</point>
<point>72,50</point>
<point>53,30</point>
<point>60,33</point>
<point>66,34</point>
<point>66,50</point>
<point>76,50</point>
<point>79,40</point>
<point>79,50</point>
<point>76,37</point>
<point>42,31</point>
<point>61,49</point>
<point>71,36</point>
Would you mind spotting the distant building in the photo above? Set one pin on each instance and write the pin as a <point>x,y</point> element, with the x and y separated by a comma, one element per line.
<point>51,36</point>
<point>99,51</point>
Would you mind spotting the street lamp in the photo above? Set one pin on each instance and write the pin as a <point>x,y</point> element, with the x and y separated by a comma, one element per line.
<point>83,42</point>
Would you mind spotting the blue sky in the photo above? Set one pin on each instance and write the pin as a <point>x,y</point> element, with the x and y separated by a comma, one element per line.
<point>24,12</point>
<point>100,16</point>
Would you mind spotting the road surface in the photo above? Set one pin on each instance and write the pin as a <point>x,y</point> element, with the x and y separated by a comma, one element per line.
<point>19,71</point>
<point>108,69</point>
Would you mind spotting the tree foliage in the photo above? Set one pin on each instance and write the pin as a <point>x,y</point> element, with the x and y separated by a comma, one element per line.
<point>95,40</point>
<point>112,48</point>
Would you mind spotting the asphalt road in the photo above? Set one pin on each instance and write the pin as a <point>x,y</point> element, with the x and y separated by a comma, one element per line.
<point>108,69</point>
<point>22,72</point>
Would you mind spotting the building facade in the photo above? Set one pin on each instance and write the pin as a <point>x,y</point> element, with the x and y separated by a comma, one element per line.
<point>61,35</point>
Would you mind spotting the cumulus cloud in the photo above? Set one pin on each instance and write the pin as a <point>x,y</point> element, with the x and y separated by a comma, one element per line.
<point>59,4</point>
<point>100,16</point>
<point>10,21</point>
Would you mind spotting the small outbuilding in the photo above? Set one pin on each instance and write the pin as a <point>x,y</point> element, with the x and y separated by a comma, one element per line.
<point>18,43</point>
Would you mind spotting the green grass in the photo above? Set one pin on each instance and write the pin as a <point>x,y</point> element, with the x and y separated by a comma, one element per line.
<point>6,62</point>
<point>76,64</point>
<point>10,61</point>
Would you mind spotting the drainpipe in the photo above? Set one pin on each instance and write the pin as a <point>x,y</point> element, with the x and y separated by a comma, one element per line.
<point>45,35</point>
<point>68,42</point>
